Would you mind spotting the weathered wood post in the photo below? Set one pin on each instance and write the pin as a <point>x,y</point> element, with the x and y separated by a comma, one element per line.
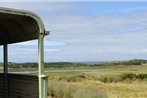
<point>5,54</point>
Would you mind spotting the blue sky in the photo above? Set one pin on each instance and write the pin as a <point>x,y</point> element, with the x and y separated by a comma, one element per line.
<point>85,31</point>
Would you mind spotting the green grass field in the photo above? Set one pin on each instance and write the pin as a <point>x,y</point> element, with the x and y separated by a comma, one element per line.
<point>113,84</point>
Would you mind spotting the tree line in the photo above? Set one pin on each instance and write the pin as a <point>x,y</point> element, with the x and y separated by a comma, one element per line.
<point>73,65</point>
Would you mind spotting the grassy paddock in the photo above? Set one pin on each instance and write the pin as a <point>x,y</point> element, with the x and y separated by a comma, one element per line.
<point>116,84</point>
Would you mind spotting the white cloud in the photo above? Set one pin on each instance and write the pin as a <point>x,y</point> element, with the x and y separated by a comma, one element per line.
<point>78,35</point>
<point>37,7</point>
<point>52,50</point>
<point>46,43</point>
<point>99,29</point>
<point>28,50</point>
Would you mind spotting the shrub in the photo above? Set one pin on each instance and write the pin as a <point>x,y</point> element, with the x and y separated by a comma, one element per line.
<point>142,76</point>
<point>130,76</point>
<point>109,79</point>
<point>123,77</point>
<point>77,78</point>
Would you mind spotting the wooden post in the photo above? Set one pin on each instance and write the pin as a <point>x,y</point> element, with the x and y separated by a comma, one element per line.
<point>5,70</point>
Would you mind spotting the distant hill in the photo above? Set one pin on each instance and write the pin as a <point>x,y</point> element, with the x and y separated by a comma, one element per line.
<point>91,62</point>
<point>78,64</point>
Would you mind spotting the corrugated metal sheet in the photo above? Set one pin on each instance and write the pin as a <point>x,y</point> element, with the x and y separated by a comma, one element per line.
<point>1,85</point>
<point>20,86</point>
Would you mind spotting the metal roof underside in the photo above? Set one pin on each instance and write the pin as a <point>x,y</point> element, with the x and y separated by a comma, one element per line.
<point>18,26</point>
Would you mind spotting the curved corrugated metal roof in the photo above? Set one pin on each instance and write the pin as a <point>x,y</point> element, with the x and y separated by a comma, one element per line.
<point>19,25</point>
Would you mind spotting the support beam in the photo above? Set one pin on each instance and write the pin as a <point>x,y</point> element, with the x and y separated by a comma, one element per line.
<point>5,69</point>
<point>41,64</point>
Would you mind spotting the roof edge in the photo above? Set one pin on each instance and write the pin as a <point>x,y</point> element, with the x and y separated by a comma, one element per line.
<point>25,13</point>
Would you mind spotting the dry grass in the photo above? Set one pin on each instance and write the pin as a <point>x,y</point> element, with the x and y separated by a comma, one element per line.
<point>91,85</point>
